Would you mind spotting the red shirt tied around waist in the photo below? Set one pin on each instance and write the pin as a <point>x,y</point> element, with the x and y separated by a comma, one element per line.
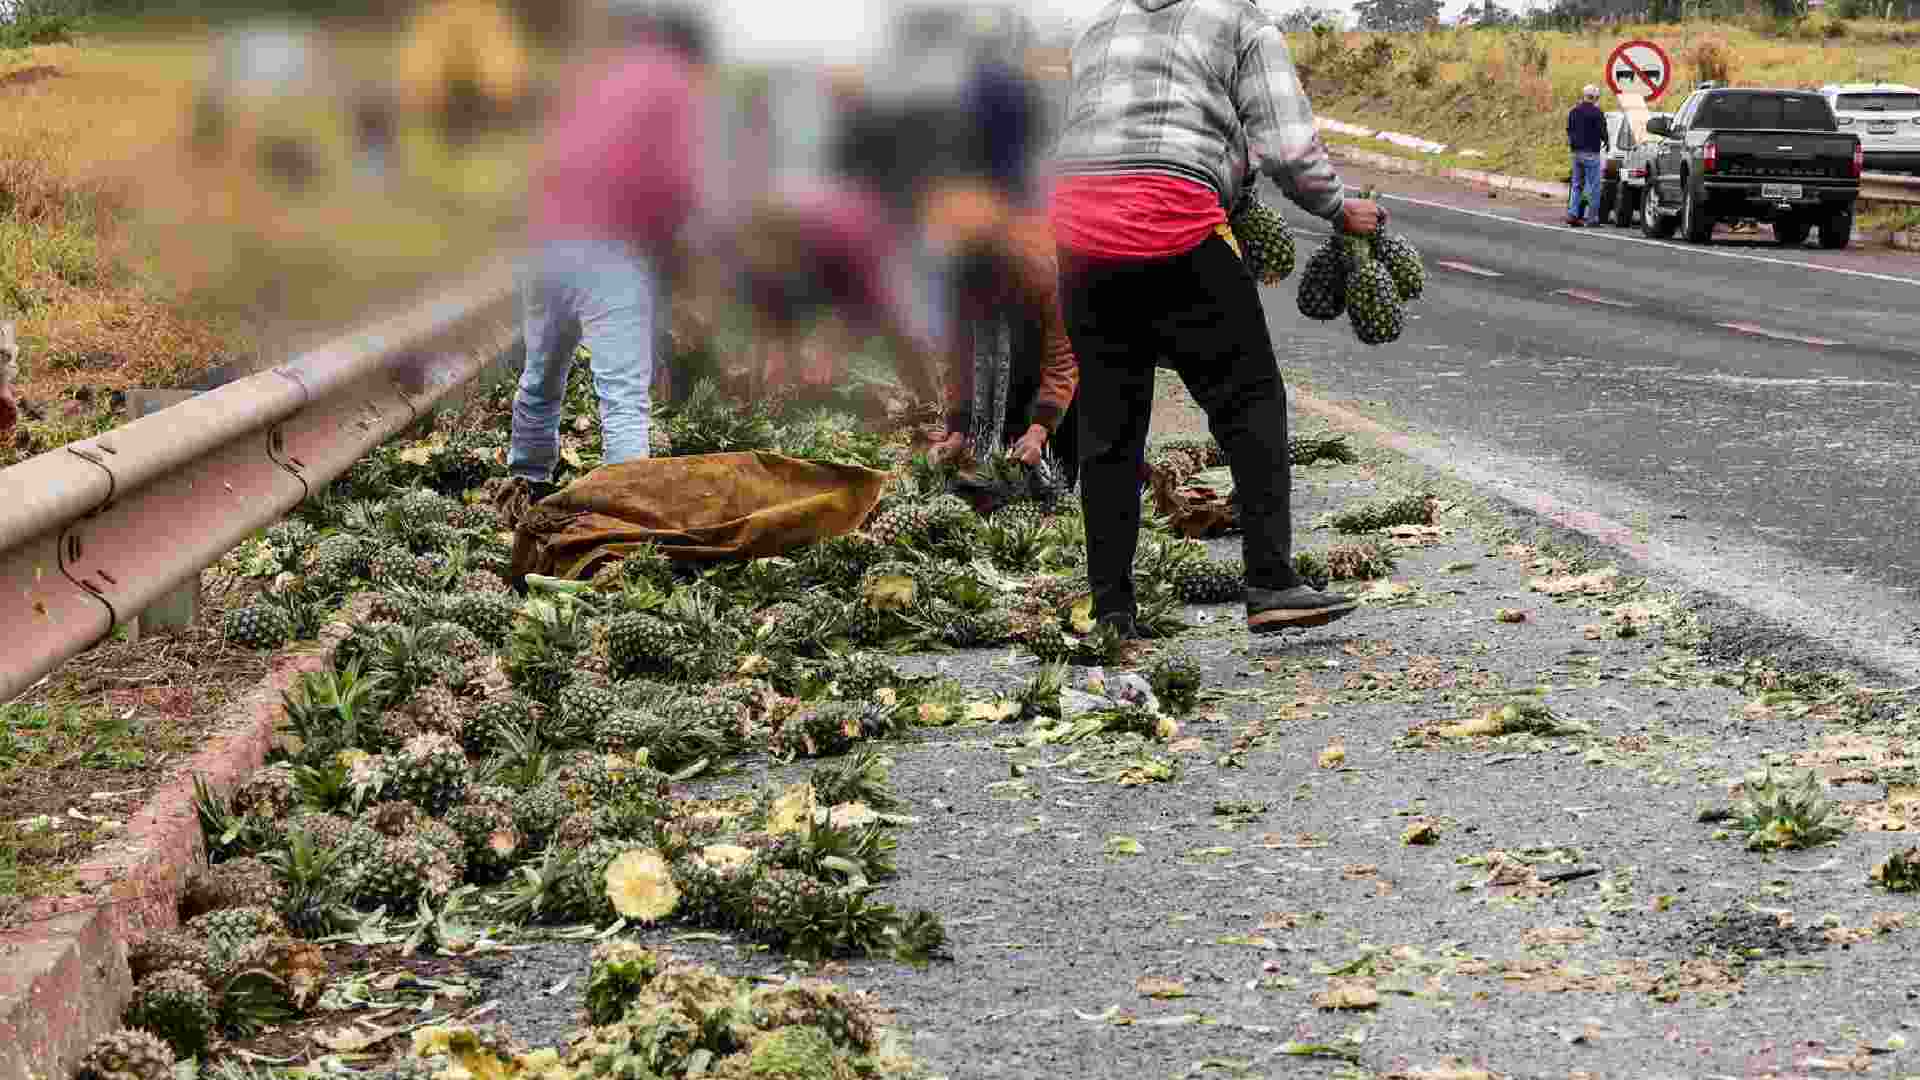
<point>1128,217</point>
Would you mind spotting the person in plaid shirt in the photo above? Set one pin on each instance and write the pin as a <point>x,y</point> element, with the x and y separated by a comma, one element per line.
<point>1174,107</point>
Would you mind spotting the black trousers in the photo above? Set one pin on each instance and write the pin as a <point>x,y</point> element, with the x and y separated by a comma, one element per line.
<point>1201,311</point>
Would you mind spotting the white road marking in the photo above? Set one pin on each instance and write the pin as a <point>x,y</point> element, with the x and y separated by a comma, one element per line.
<point>1690,249</point>
<point>1777,335</point>
<point>1468,268</point>
<point>1593,298</point>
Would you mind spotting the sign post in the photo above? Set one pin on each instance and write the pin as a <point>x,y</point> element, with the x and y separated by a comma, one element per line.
<point>1639,67</point>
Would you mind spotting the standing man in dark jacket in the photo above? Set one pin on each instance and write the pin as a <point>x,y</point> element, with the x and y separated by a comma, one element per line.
<point>1173,105</point>
<point>1587,138</point>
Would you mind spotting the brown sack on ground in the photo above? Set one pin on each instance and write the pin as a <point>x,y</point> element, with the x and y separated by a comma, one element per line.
<point>699,507</point>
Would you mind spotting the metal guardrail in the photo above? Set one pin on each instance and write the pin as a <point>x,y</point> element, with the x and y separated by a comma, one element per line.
<point>94,532</point>
<point>1885,188</point>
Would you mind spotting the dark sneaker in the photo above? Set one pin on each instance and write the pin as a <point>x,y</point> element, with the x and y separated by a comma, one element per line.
<point>1270,611</point>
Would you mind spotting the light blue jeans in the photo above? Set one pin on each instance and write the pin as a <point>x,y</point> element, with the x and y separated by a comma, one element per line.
<point>1586,183</point>
<point>604,296</point>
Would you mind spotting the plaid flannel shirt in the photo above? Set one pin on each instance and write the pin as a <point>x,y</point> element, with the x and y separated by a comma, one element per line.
<point>1202,89</point>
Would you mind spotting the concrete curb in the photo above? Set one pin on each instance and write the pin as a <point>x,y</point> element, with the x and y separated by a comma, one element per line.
<point>63,973</point>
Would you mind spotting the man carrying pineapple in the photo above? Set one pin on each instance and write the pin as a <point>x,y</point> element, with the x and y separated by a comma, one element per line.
<point>1170,99</point>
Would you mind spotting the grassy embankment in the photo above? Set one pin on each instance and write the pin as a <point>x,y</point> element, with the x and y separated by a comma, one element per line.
<point>1505,93</point>
<point>126,263</point>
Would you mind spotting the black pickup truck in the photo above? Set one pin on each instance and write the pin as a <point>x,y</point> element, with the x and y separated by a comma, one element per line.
<point>1756,155</point>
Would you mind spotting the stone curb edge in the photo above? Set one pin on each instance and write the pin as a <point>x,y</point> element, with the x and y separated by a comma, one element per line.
<point>63,974</point>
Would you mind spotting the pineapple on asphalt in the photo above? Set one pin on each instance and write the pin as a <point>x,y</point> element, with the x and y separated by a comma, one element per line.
<point>1323,282</point>
<point>1373,300</point>
<point>430,771</point>
<point>1265,241</point>
<point>777,894</point>
<point>257,626</point>
<point>1205,581</point>
<point>177,1007</point>
<point>127,1054</point>
<point>1403,262</point>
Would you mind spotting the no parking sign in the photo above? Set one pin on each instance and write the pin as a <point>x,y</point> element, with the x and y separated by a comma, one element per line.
<point>1639,67</point>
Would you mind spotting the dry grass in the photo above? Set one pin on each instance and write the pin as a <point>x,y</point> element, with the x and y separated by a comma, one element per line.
<point>1506,93</point>
<point>127,262</point>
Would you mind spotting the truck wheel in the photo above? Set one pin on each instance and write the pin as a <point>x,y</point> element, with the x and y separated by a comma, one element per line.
<point>1837,231</point>
<point>1694,220</point>
<point>1653,223</point>
<point>1626,207</point>
<point>1791,232</point>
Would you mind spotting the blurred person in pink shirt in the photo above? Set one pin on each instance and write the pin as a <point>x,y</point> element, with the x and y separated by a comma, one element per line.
<point>614,187</point>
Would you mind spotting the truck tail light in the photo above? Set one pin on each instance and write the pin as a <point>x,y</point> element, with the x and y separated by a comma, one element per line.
<point>1638,174</point>
<point>1859,159</point>
<point>1710,157</point>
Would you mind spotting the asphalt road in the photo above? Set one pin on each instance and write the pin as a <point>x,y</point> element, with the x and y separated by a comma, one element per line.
<point>1747,411</point>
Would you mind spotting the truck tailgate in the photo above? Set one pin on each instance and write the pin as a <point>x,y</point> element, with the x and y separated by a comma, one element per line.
<point>1794,154</point>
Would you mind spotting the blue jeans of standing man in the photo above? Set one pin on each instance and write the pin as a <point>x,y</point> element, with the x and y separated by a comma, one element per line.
<point>602,295</point>
<point>1586,184</point>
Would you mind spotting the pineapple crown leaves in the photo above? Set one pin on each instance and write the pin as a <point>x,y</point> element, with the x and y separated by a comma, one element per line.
<point>1778,814</point>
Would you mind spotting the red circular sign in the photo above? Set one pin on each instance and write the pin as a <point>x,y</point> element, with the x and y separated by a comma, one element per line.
<point>1639,67</point>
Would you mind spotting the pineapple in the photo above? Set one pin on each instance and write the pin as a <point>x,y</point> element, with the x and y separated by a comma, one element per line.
<point>1323,283</point>
<point>1373,300</point>
<point>226,931</point>
<point>848,1017</point>
<point>432,710</point>
<point>901,526</point>
<point>257,626</point>
<point>488,836</point>
<point>537,812</point>
<point>269,793</point>
<point>489,615</point>
<point>177,1007</point>
<point>430,771</point>
<point>584,892</point>
<point>338,560</point>
<point>484,583</point>
<point>639,643</point>
<point>290,540</point>
<point>777,894</point>
<point>823,731</point>
<point>402,871</point>
<point>582,711</point>
<point>625,730</point>
<point>170,950</point>
<point>617,972</point>
<point>1402,260</point>
<point>1204,581</point>
<point>457,641</point>
<point>127,1054</point>
<point>420,507</point>
<point>245,882</point>
<point>486,722</point>
<point>1265,241</point>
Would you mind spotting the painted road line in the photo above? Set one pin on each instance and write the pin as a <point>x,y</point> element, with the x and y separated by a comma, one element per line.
<point>1688,249</point>
<point>1777,335</point>
<point>1468,268</point>
<point>1593,298</point>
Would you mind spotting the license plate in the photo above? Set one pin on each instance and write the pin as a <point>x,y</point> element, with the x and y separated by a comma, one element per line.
<point>1779,191</point>
<point>1882,129</point>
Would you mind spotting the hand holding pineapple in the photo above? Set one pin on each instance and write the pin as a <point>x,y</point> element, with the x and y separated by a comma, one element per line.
<point>1364,272</point>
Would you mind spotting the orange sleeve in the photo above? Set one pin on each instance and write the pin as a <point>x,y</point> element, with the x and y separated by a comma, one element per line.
<point>1059,369</point>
